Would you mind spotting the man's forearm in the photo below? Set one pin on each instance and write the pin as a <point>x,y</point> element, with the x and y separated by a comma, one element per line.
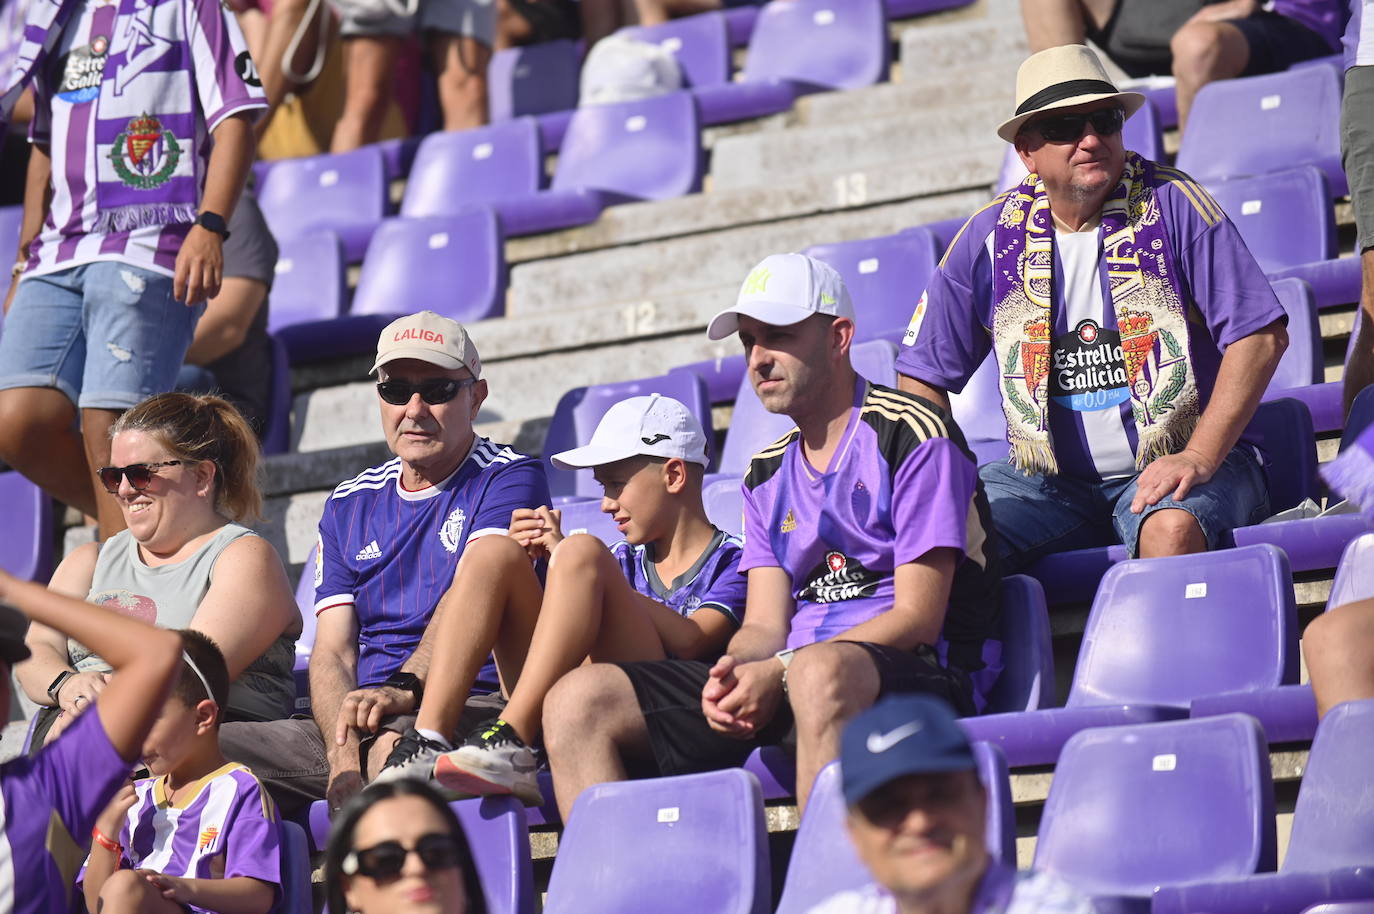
<point>332,677</point>
<point>230,160</point>
<point>756,642</point>
<point>1245,371</point>
<point>235,895</point>
<point>37,194</point>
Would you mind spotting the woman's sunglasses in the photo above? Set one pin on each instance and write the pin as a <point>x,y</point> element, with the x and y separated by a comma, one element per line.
<point>433,391</point>
<point>138,474</point>
<point>1068,128</point>
<point>437,851</point>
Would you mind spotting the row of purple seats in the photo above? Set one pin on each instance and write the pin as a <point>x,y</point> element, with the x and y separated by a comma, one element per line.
<point>29,521</point>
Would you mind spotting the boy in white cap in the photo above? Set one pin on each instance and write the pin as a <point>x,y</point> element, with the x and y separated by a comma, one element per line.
<point>671,588</point>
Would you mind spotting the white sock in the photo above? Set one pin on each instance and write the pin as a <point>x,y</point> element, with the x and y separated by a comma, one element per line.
<point>434,735</point>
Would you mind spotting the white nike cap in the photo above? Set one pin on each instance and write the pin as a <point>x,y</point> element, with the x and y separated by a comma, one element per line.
<point>782,290</point>
<point>652,426</point>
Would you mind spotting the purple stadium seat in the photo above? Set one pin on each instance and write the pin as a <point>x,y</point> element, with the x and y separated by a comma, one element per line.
<point>344,193</point>
<point>580,409</point>
<point>1134,808</point>
<point>1282,429</point>
<point>725,504</point>
<point>1285,217</point>
<point>539,79</point>
<point>1301,364</point>
<point>944,231</point>
<point>799,47</point>
<point>1311,543</point>
<point>398,155</point>
<point>1331,848</point>
<point>28,528</point>
<point>276,436</point>
<point>1286,118</point>
<point>978,411</point>
<point>587,517</point>
<point>498,833</point>
<point>1141,134</point>
<point>876,360</point>
<point>309,284</point>
<point>11,219</point>
<point>739,21</point>
<point>454,169</point>
<point>823,860</point>
<point>1027,679</point>
<point>700,43</point>
<point>295,871</point>
<point>630,841</point>
<point>902,9</point>
<point>722,375</point>
<point>1361,416</point>
<point>305,643</point>
<point>1334,282</point>
<point>885,277</point>
<point>454,265</point>
<point>1236,606</point>
<point>641,150</point>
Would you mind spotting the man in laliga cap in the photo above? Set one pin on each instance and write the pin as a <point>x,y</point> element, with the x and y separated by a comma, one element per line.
<point>917,818</point>
<point>1132,332</point>
<point>866,556</point>
<point>396,543</point>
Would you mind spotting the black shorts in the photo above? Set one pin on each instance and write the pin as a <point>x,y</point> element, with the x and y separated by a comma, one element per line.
<point>1277,42</point>
<point>682,742</point>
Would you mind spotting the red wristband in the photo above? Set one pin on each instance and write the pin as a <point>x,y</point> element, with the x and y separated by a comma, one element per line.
<point>111,846</point>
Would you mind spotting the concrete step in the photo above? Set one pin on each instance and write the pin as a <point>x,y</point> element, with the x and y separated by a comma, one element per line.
<point>939,48</point>
<point>993,84</point>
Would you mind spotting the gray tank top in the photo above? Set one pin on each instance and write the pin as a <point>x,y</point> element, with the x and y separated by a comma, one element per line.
<point>168,596</point>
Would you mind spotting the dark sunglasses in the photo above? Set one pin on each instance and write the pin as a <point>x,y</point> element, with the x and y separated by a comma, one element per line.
<point>138,474</point>
<point>433,391</point>
<point>1068,128</point>
<point>437,851</point>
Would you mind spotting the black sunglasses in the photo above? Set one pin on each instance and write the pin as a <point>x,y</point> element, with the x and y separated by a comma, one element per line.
<point>433,391</point>
<point>138,474</point>
<point>437,851</point>
<point>1068,128</point>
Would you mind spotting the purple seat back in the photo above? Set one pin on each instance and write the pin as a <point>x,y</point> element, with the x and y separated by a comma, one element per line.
<point>587,517</point>
<point>701,44</point>
<point>876,360</point>
<point>325,192</point>
<point>1027,679</point>
<point>1282,429</point>
<point>535,79</point>
<point>1355,574</point>
<point>885,277</point>
<point>1135,807</point>
<point>1285,217</point>
<point>634,840</point>
<point>310,281</point>
<point>276,436</point>
<point>1142,133</point>
<point>454,265</point>
<point>724,503</point>
<point>1333,822</point>
<point>1302,362</point>
<point>1287,117</point>
<point>820,44</point>
<point>295,871</point>
<point>978,411</point>
<point>1167,630</point>
<point>901,9</point>
<point>28,528</point>
<point>1361,411</point>
<point>649,149</point>
<point>580,409</point>
<point>498,833</point>
<point>456,168</point>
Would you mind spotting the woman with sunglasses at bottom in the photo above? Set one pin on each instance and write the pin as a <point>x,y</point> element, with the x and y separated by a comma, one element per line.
<point>185,472</point>
<point>397,846</point>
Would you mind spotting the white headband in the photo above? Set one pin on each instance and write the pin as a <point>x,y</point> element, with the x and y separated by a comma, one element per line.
<point>209,692</point>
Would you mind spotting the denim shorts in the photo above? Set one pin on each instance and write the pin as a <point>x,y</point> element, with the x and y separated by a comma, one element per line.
<point>106,334</point>
<point>469,18</point>
<point>1039,515</point>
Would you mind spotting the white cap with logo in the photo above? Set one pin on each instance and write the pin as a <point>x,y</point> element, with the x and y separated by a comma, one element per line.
<point>428,337</point>
<point>652,426</point>
<point>784,289</point>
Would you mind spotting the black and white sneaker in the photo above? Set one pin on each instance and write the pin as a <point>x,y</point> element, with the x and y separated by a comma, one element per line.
<point>492,761</point>
<point>411,759</point>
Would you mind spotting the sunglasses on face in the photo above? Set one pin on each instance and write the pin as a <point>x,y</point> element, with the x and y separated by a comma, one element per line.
<point>138,474</point>
<point>437,851</point>
<point>1068,128</point>
<point>433,391</point>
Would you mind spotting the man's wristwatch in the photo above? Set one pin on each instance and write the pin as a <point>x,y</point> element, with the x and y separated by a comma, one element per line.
<point>57,684</point>
<point>213,222</point>
<point>407,682</point>
<point>785,657</point>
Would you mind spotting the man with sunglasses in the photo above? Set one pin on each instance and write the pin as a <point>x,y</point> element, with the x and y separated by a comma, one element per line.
<point>1131,330</point>
<point>392,542</point>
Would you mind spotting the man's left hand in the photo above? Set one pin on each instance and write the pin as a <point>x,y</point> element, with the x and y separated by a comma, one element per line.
<point>744,698</point>
<point>200,266</point>
<point>1172,475</point>
<point>173,888</point>
<point>364,709</point>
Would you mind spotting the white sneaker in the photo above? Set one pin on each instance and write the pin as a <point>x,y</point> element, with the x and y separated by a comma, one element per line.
<point>412,758</point>
<point>493,761</point>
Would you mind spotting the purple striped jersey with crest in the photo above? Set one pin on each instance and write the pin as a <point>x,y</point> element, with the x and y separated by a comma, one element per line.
<point>713,581</point>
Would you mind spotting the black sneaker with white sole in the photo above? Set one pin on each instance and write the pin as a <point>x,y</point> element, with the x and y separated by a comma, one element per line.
<point>491,762</point>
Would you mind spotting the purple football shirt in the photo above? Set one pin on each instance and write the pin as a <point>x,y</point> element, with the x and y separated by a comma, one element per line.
<point>712,582</point>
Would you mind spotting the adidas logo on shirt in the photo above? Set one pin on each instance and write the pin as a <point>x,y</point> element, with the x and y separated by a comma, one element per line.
<point>370,551</point>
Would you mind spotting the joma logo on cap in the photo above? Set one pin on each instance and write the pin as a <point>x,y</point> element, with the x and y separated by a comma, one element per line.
<point>411,333</point>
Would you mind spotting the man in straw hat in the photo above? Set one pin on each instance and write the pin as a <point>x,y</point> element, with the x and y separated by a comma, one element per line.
<point>1132,330</point>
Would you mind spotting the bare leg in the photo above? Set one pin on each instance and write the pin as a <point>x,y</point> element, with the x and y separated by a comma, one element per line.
<point>95,430</point>
<point>38,437</point>
<point>1170,532</point>
<point>592,722</point>
<point>1205,52</point>
<point>589,608</point>
<point>281,28</point>
<point>1339,647</point>
<point>369,62</point>
<point>1359,371</point>
<point>126,892</point>
<point>1050,23</point>
<point>460,65</point>
<point>827,685</point>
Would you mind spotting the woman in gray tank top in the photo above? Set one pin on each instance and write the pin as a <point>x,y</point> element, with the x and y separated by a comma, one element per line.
<point>185,469</point>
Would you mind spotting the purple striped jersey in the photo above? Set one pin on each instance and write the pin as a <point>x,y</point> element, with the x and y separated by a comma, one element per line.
<point>65,121</point>
<point>712,582</point>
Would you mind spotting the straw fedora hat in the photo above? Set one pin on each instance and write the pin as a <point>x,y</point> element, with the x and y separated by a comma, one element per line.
<point>1062,77</point>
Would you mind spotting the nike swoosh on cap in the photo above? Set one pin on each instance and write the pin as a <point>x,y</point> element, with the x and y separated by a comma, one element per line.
<point>881,742</point>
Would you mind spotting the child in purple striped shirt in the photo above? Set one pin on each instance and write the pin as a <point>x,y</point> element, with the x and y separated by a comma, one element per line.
<point>200,834</point>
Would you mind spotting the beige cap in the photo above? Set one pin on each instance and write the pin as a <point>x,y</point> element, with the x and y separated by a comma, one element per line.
<point>428,337</point>
<point>1062,77</point>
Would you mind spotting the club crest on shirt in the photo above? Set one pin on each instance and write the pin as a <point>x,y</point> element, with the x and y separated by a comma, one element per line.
<point>451,533</point>
<point>208,837</point>
<point>144,155</point>
<point>837,578</point>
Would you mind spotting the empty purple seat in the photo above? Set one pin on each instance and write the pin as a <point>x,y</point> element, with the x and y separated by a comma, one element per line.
<point>587,517</point>
<point>1334,282</point>
<point>1027,679</point>
<point>1311,543</point>
<point>739,21</point>
<point>724,503</point>
<point>978,411</point>
<point>885,277</point>
<point>1286,118</point>
<point>398,155</point>
<point>1331,848</point>
<point>580,409</point>
<point>498,833</point>
<point>1142,133</point>
<point>454,169</point>
<point>310,282</point>
<point>535,79</point>
<point>1285,217</point>
<point>722,375</point>
<point>1236,606</point>
<point>28,528</point>
<point>1302,362</point>
<point>692,844</point>
<point>295,871</point>
<point>1282,429</point>
<point>798,47</point>
<point>1134,808</point>
<point>876,360</point>
<point>700,44</point>
<point>944,231</point>
<point>1323,402</point>
<point>345,193</point>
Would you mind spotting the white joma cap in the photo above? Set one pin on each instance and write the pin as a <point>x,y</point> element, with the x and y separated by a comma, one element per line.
<point>652,426</point>
<point>784,289</point>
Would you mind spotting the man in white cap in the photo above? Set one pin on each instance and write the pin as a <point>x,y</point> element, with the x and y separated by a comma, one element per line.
<point>671,588</point>
<point>396,542</point>
<point>869,569</point>
<point>1132,330</point>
